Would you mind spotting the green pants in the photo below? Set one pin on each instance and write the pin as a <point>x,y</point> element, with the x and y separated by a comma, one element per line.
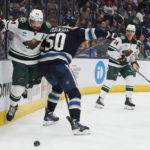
<point>113,72</point>
<point>25,74</point>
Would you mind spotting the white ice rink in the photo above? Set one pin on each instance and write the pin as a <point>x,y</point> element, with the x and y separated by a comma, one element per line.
<point>113,128</point>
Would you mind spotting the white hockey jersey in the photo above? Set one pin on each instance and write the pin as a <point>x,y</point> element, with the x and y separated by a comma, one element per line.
<point>25,45</point>
<point>122,46</point>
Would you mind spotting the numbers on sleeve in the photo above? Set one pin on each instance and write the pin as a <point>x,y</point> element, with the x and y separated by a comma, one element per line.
<point>116,42</point>
<point>56,41</point>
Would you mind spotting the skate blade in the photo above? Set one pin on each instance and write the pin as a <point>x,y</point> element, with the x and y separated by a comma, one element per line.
<point>99,106</point>
<point>129,107</point>
<point>47,123</point>
<point>76,132</point>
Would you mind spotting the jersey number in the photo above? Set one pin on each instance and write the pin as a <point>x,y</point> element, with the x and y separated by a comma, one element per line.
<point>56,41</point>
<point>116,42</point>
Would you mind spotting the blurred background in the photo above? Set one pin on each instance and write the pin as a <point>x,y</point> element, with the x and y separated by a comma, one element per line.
<point>112,15</point>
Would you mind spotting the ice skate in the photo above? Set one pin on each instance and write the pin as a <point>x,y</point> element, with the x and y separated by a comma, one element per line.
<point>77,128</point>
<point>11,112</point>
<point>99,103</point>
<point>128,104</point>
<point>50,118</point>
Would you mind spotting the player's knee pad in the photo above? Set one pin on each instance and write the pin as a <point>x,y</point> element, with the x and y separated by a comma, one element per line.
<point>130,80</point>
<point>17,90</point>
<point>74,93</point>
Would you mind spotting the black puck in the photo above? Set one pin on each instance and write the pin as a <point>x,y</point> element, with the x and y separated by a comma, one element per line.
<point>36,143</point>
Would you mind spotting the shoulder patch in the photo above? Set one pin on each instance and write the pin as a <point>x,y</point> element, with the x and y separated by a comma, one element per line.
<point>22,19</point>
<point>48,25</point>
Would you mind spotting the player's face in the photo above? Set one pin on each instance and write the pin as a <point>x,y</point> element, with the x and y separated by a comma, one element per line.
<point>35,25</point>
<point>130,34</point>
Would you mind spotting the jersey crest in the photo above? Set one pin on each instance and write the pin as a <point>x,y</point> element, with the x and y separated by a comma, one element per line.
<point>127,52</point>
<point>32,44</point>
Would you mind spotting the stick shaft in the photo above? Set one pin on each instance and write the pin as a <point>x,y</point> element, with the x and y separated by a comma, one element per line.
<point>140,74</point>
<point>66,97</point>
<point>143,76</point>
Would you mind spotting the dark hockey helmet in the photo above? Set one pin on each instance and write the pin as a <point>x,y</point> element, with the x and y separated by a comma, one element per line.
<point>69,21</point>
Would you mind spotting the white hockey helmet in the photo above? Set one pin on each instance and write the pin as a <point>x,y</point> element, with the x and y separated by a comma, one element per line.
<point>36,15</point>
<point>131,27</point>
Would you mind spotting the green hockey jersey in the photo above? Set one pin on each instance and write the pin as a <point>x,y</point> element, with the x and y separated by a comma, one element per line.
<point>25,45</point>
<point>122,46</point>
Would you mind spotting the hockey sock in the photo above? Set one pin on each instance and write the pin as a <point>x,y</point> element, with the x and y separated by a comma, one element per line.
<point>53,99</point>
<point>129,86</point>
<point>106,87</point>
<point>74,108</point>
<point>74,103</point>
<point>15,94</point>
<point>129,91</point>
<point>14,99</point>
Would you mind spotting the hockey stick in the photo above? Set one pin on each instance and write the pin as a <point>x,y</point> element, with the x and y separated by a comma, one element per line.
<point>84,50</point>
<point>66,97</point>
<point>143,76</point>
<point>140,74</point>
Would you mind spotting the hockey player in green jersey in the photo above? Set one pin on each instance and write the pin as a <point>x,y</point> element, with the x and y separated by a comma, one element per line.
<point>122,52</point>
<point>24,53</point>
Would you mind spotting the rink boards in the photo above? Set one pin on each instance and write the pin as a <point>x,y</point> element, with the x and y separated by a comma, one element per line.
<point>90,75</point>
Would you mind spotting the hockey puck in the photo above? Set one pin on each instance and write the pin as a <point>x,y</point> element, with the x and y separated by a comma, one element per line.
<point>36,143</point>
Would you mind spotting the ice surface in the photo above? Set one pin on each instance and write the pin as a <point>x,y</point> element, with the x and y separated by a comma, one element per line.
<point>113,128</point>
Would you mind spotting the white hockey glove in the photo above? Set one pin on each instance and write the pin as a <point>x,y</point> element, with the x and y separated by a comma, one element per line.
<point>135,66</point>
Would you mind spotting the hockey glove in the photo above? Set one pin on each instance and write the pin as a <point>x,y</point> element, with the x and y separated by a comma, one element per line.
<point>123,60</point>
<point>111,35</point>
<point>135,66</point>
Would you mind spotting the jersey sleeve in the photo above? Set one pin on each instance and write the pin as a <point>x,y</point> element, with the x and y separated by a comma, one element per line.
<point>12,25</point>
<point>114,48</point>
<point>94,33</point>
<point>91,34</point>
<point>134,56</point>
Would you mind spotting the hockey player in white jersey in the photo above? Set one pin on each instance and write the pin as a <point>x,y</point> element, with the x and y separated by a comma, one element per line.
<point>24,53</point>
<point>122,52</point>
